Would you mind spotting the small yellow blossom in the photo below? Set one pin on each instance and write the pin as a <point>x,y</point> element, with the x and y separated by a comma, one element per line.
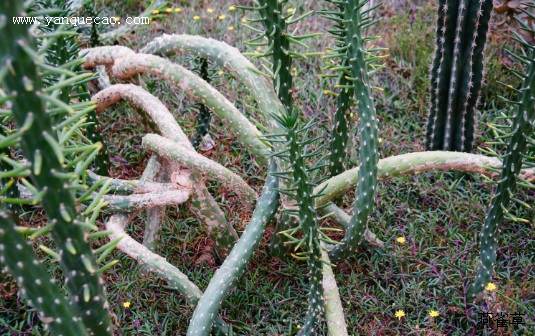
<point>294,69</point>
<point>433,313</point>
<point>169,10</point>
<point>220,72</point>
<point>416,327</point>
<point>178,9</point>
<point>155,11</point>
<point>490,287</point>
<point>210,10</point>
<point>126,304</point>
<point>290,10</point>
<point>259,48</point>
<point>196,17</point>
<point>380,140</point>
<point>230,28</point>
<point>221,17</point>
<point>326,91</point>
<point>231,8</point>
<point>400,240</point>
<point>400,314</point>
<point>244,20</point>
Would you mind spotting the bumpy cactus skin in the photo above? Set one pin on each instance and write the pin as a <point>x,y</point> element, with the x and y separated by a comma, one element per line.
<point>354,20</point>
<point>204,116</point>
<point>457,73</point>
<point>241,253</point>
<point>521,135</point>
<point>40,144</point>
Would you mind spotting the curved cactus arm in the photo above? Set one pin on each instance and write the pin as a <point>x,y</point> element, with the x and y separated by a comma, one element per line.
<point>130,64</point>
<point>121,186</point>
<point>457,73</point>
<point>353,21</point>
<point>228,58</point>
<point>113,203</point>
<point>234,264</point>
<point>213,170</point>
<point>40,145</point>
<point>334,312</point>
<point>520,137</point>
<point>414,163</point>
<point>35,281</point>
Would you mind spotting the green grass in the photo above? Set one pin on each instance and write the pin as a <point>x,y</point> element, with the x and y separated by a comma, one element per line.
<point>438,214</point>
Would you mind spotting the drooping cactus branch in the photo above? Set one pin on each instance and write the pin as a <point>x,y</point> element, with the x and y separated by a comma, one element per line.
<point>126,64</point>
<point>334,312</point>
<point>155,216</point>
<point>414,163</point>
<point>457,73</point>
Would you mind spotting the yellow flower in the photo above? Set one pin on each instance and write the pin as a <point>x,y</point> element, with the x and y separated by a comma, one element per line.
<point>490,287</point>
<point>221,17</point>
<point>155,11</point>
<point>220,72</point>
<point>231,8</point>
<point>433,313</point>
<point>169,10</point>
<point>126,304</point>
<point>244,20</point>
<point>294,69</point>
<point>178,9</point>
<point>326,91</point>
<point>290,10</point>
<point>259,48</point>
<point>400,240</point>
<point>196,17</point>
<point>380,140</point>
<point>400,314</point>
<point>210,10</point>
<point>230,28</point>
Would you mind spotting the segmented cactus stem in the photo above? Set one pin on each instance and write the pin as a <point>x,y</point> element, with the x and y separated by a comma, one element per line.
<point>457,73</point>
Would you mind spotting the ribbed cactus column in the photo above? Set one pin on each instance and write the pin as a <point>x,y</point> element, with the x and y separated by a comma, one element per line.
<point>457,73</point>
<point>521,136</point>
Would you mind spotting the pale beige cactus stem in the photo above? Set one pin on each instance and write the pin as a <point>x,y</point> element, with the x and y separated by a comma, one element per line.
<point>213,170</point>
<point>154,171</point>
<point>216,222</point>
<point>334,312</point>
<point>152,261</point>
<point>126,64</point>
<point>174,145</point>
<point>414,163</point>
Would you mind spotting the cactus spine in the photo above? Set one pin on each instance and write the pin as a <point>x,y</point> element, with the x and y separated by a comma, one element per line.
<point>457,73</point>
<point>521,136</point>
<point>43,149</point>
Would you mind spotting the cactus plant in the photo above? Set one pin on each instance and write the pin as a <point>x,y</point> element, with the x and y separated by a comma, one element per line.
<point>59,155</point>
<point>457,73</point>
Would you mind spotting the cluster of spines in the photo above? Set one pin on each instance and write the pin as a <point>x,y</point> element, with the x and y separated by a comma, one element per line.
<point>58,160</point>
<point>520,140</point>
<point>457,73</point>
<point>351,20</point>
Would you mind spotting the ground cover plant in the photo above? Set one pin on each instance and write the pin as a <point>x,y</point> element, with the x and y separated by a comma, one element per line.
<point>195,212</point>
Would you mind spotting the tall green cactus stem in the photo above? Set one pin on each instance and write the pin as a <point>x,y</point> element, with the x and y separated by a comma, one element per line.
<point>355,21</point>
<point>203,205</point>
<point>40,145</point>
<point>157,264</point>
<point>457,73</point>
<point>35,282</point>
<point>126,64</point>
<point>204,116</point>
<point>334,312</point>
<point>235,263</point>
<point>521,136</point>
